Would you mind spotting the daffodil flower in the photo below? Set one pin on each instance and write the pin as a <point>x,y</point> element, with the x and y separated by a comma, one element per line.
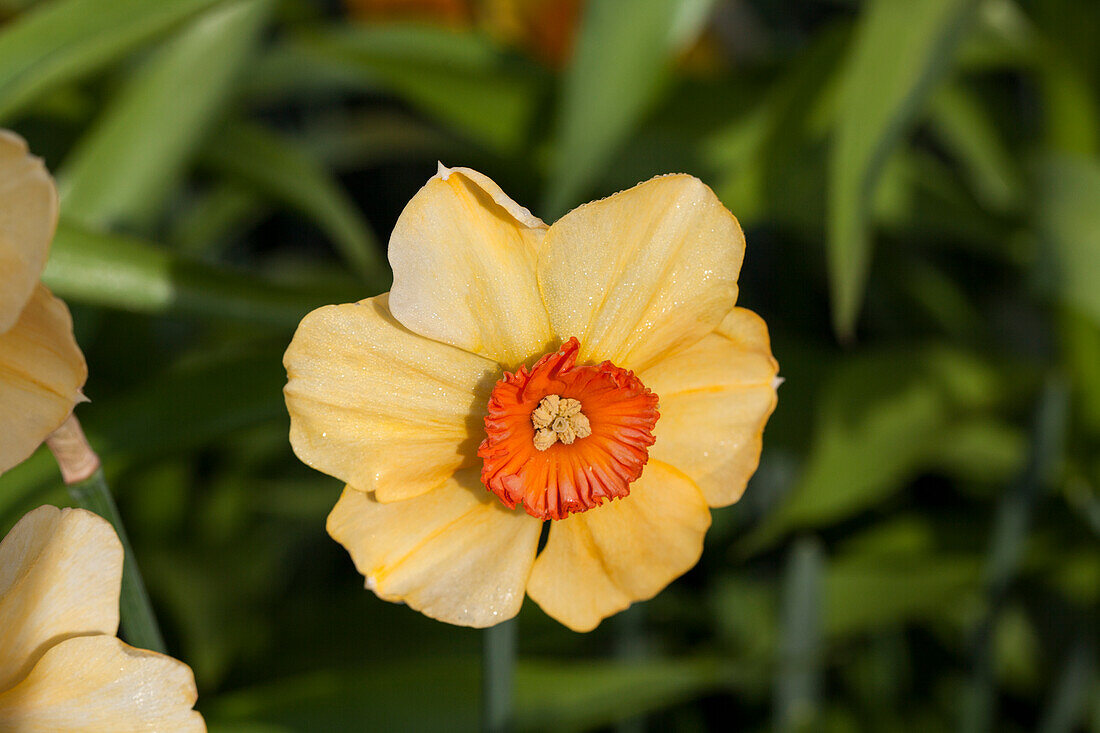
<point>41,367</point>
<point>594,375</point>
<point>61,666</point>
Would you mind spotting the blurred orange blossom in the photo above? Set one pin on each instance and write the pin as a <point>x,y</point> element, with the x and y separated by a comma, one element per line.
<point>543,28</point>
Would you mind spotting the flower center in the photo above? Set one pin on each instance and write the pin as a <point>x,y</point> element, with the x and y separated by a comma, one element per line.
<point>557,418</point>
<point>562,438</point>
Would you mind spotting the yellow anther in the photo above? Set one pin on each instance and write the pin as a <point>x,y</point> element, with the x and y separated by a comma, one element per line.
<point>556,418</point>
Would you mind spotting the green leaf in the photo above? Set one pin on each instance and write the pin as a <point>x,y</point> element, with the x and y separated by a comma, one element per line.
<point>129,274</point>
<point>1080,337</point>
<point>863,595</point>
<point>892,574</point>
<point>902,49</point>
<point>460,79</point>
<point>980,449</point>
<point>969,134</point>
<point>291,71</point>
<point>1072,111</point>
<point>598,694</point>
<point>120,173</point>
<point>601,693</point>
<point>745,618</point>
<point>33,482</point>
<point>621,62</point>
<point>215,218</point>
<point>60,42</point>
<point>754,151</point>
<point>190,405</point>
<point>1013,516</point>
<point>334,700</point>
<point>882,416</point>
<point>1011,528</point>
<point>185,407</point>
<point>280,169</point>
<point>1003,38</point>
<point>373,138</point>
<point>1071,694</point>
<point>1068,223</point>
<point>139,623</point>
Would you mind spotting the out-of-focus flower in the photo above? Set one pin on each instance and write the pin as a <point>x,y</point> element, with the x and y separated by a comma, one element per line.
<point>511,377</point>
<point>542,28</point>
<point>41,367</point>
<point>61,666</point>
<point>546,30</point>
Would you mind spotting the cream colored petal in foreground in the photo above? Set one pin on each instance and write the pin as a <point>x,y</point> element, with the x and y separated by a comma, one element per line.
<point>97,684</point>
<point>380,407</point>
<point>463,257</point>
<point>455,554</point>
<point>60,573</point>
<point>28,216</point>
<point>642,273</point>
<point>489,186</point>
<point>598,562</point>
<point>41,373</point>
<point>716,396</point>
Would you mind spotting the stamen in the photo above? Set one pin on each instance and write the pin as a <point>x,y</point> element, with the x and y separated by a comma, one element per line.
<point>558,419</point>
<point>562,438</point>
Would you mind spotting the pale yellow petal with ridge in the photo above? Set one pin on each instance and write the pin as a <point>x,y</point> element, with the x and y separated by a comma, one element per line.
<point>456,554</point>
<point>60,574</point>
<point>97,684</point>
<point>41,373</point>
<point>598,562</point>
<point>380,407</point>
<point>28,217</point>
<point>643,273</point>
<point>463,258</point>
<point>716,396</point>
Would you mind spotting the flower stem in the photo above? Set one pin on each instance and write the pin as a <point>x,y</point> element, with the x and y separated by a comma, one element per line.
<point>630,647</point>
<point>498,676</point>
<point>88,489</point>
<point>1011,530</point>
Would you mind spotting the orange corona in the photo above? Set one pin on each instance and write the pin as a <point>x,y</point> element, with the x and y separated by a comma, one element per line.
<point>562,438</point>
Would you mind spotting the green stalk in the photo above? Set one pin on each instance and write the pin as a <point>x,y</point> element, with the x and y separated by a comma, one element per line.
<point>498,676</point>
<point>1010,535</point>
<point>798,680</point>
<point>139,625</point>
<point>630,647</point>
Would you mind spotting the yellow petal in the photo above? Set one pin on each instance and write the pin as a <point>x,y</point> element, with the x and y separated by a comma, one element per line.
<point>598,562</point>
<point>41,373</point>
<point>380,407</point>
<point>455,554</point>
<point>489,186</point>
<point>97,684</point>
<point>463,257</point>
<point>642,273</point>
<point>60,573</point>
<point>28,216</point>
<point>716,396</point>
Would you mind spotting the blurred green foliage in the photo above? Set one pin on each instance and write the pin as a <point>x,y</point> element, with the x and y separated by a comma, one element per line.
<point>920,187</point>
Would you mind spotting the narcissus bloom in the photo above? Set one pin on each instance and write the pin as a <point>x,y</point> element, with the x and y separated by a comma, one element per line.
<point>41,367</point>
<point>61,666</point>
<point>594,375</point>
